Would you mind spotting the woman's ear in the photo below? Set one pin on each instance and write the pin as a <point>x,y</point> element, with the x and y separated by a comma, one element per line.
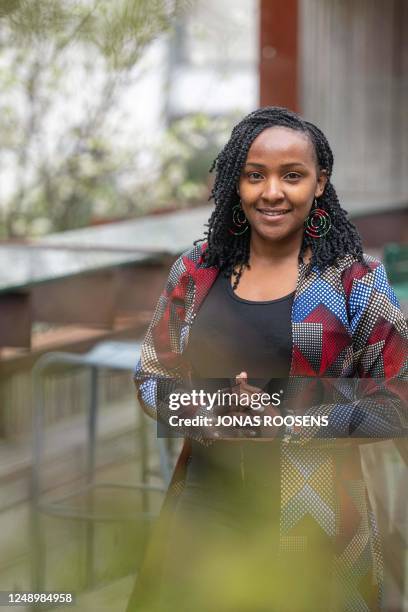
<point>321,183</point>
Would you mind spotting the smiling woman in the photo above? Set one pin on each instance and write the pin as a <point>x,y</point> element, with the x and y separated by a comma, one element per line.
<point>279,290</point>
<point>278,184</point>
<point>276,161</point>
<point>277,187</point>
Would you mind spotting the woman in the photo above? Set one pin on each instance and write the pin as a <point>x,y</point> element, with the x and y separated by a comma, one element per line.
<point>280,289</point>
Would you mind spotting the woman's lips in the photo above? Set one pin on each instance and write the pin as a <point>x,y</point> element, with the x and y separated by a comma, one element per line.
<point>272,215</point>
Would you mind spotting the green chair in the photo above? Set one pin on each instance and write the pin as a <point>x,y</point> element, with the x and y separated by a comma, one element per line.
<point>396,265</point>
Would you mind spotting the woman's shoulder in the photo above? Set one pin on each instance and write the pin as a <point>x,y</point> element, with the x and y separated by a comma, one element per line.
<point>191,257</point>
<point>368,269</point>
<point>358,266</point>
<point>187,262</point>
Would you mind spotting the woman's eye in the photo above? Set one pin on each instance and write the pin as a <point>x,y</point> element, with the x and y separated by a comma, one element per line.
<point>255,176</point>
<point>293,176</point>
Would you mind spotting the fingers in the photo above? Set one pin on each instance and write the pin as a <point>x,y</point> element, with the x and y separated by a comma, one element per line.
<point>241,378</point>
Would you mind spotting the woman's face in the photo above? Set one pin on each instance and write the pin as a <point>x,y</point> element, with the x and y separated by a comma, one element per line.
<point>280,174</point>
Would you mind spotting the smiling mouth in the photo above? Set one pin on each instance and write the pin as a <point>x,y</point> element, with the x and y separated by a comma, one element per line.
<point>273,213</point>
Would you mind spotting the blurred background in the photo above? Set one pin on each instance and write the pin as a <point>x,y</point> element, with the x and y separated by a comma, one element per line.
<point>111,114</point>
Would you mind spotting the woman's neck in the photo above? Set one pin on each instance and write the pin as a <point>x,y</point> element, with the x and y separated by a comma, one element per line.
<point>263,252</point>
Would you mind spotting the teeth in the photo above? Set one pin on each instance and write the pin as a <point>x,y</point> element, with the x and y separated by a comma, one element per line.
<point>270,213</point>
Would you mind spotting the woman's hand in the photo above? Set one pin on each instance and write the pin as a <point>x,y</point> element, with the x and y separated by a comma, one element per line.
<point>265,430</point>
<point>244,390</point>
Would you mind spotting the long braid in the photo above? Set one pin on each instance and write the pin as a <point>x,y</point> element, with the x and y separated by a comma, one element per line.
<point>230,252</point>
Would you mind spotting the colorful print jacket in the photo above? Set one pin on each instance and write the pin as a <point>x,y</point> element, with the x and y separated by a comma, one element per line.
<point>346,322</point>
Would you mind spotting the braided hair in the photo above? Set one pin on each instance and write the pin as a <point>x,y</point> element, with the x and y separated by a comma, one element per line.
<point>231,252</point>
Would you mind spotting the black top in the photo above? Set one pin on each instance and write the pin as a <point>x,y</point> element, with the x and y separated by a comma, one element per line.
<point>231,335</point>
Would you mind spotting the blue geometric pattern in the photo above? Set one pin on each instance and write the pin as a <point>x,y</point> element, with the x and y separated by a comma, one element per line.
<point>358,302</point>
<point>381,284</point>
<point>320,292</point>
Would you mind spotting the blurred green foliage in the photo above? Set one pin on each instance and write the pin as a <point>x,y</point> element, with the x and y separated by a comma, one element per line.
<point>61,166</point>
<point>120,30</point>
<point>186,153</point>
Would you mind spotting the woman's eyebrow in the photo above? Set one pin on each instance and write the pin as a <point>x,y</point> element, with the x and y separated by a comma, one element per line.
<point>255,164</point>
<point>286,165</point>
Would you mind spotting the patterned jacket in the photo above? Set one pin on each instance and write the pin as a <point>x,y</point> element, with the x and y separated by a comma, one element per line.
<point>346,322</point>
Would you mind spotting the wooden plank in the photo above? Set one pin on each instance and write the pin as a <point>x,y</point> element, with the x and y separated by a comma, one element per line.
<point>86,300</point>
<point>15,320</point>
<point>138,287</point>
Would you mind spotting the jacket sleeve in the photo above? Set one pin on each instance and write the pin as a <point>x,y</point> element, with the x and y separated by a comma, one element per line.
<point>380,346</point>
<point>161,369</point>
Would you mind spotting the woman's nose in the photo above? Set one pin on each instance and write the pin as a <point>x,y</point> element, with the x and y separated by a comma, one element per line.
<point>273,190</point>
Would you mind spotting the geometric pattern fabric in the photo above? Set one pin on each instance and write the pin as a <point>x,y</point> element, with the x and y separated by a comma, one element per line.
<point>346,321</point>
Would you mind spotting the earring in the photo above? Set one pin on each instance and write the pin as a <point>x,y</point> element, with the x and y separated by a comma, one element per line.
<point>318,222</point>
<point>240,221</point>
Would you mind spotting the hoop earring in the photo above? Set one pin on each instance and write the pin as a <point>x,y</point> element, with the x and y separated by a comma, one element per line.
<point>239,220</point>
<point>318,222</point>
